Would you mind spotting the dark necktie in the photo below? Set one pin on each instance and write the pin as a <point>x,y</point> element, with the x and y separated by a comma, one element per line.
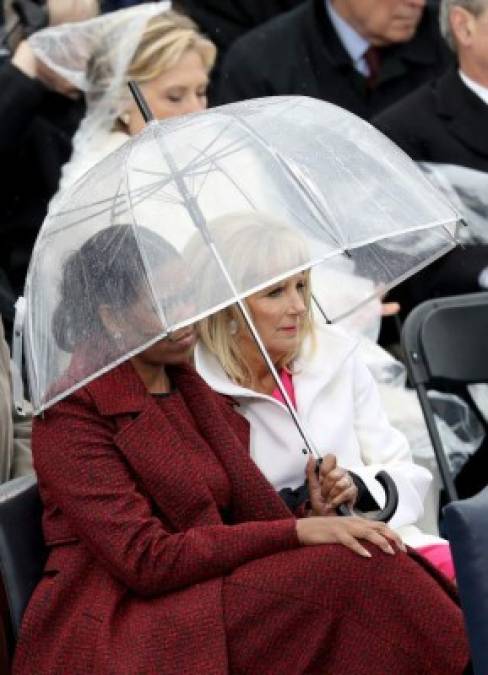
<point>372,56</point>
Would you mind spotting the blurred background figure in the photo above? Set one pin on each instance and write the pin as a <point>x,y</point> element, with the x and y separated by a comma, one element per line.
<point>15,431</point>
<point>446,122</point>
<point>161,50</point>
<point>360,54</point>
<point>39,112</point>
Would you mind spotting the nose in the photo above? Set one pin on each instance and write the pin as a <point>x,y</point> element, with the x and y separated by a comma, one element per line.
<point>297,304</point>
<point>195,104</point>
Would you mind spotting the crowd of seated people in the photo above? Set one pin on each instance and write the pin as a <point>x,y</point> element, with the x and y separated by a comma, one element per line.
<point>424,86</point>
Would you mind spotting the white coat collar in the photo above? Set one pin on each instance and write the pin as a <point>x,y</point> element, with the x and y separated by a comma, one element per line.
<point>317,366</point>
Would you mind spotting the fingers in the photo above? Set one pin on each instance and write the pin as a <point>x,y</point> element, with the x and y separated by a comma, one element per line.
<point>392,536</point>
<point>379,534</point>
<point>389,308</point>
<point>347,496</point>
<point>380,541</point>
<point>328,464</point>
<point>310,472</point>
<point>338,487</point>
<point>352,543</point>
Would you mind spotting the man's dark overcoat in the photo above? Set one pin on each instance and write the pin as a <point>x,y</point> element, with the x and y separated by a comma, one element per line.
<point>300,53</point>
<point>443,122</point>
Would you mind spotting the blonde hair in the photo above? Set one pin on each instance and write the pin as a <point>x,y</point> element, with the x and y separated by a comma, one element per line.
<point>167,37</point>
<point>270,245</point>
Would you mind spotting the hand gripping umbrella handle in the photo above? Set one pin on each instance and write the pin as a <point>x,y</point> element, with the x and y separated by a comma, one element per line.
<point>383,515</point>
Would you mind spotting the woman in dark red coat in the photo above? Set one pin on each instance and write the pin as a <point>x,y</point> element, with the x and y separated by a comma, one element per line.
<point>171,553</point>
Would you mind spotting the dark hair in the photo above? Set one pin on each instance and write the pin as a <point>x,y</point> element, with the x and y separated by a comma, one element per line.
<point>108,265</point>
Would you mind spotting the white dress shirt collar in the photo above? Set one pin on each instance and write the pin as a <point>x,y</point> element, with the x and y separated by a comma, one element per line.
<point>475,87</point>
<point>353,43</point>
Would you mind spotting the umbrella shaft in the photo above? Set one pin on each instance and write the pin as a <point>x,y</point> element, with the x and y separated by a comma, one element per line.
<point>310,448</point>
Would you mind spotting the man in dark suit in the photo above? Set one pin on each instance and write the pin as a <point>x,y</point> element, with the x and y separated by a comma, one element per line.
<point>360,54</point>
<point>446,121</point>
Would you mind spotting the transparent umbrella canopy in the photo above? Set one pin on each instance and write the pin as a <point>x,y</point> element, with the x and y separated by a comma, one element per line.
<point>306,183</point>
<point>467,191</point>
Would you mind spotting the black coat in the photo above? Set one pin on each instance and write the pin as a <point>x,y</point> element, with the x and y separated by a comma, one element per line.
<point>443,122</point>
<point>225,21</point>
<point>36,127</point>
<point>300,53</point>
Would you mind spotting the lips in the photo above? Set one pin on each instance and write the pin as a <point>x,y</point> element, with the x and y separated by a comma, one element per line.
<point>183,340</point>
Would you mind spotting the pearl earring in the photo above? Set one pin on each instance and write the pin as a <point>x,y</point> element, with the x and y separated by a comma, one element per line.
<point>125,118</point>
<point>232,327</point>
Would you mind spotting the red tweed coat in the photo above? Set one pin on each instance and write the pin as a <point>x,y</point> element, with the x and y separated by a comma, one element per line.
<point>143,576</point>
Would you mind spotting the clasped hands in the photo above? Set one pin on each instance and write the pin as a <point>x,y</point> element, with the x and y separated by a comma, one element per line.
<point>330,487</point>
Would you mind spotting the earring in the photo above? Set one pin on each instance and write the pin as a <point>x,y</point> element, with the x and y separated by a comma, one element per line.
<point>233,327</point>
<point>117,336</point>
<point>125,118</point>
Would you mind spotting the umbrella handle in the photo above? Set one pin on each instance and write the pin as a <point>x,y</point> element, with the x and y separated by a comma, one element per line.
<point>383,515</point>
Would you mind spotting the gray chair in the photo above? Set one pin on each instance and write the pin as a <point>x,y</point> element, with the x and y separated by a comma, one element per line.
<point>22,551</point>
<point>467,527</point>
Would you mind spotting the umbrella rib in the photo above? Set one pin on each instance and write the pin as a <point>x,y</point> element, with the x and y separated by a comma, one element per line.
<point>195,213</point>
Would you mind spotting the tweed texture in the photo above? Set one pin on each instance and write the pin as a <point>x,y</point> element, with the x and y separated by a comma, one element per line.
<point>143,576</point>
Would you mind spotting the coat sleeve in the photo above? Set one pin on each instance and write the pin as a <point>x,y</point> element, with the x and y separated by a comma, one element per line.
<point>385,448</point>
<point>84,474</point>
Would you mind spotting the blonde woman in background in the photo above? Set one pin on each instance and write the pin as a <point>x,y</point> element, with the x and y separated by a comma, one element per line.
<point>159,49</point>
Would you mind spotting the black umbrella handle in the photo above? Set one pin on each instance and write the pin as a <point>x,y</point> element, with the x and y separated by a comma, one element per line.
<point>391,505</point>
<point>383,515</point>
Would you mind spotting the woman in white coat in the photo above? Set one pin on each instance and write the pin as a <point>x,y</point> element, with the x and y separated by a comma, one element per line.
<point>332,390</point>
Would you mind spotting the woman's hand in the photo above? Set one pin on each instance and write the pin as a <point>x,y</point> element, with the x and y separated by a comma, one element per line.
<point>348,532</point>
<point>332,487</point>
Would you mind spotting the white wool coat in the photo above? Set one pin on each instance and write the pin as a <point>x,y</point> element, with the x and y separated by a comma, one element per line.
<point>338,401</point>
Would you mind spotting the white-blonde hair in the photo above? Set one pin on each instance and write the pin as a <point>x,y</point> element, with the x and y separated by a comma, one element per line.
<point>255,247</point>
<point>474,7</point>
<point>164,41</point>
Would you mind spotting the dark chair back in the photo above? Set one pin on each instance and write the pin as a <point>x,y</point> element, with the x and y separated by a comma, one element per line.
<point>466,523</point>
<point>22,549</point>
<point>446,340</point>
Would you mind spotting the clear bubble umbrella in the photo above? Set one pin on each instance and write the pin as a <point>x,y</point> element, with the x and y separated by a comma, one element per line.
<point>304,183</point>
<point>467,191</point>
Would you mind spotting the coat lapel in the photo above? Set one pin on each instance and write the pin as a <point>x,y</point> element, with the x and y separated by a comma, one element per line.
<point>465,112</point>
<point>162,460</point>
<point>154,449</point>
<point>253,496</point>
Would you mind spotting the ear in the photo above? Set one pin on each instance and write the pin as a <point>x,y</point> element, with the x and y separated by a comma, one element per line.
<point>463,25</point>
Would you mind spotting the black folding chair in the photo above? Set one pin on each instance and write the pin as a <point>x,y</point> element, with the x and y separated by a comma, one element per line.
<point>446,341</point>
<point>465,522</point>
<point>22,551</point>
